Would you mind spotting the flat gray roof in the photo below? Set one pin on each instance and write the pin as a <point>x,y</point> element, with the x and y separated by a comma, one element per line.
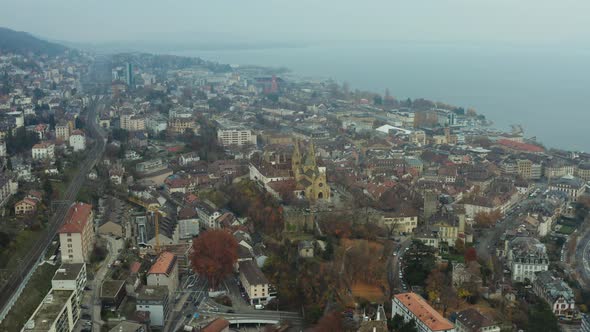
<point>49,310</point>
<point>68,271</point>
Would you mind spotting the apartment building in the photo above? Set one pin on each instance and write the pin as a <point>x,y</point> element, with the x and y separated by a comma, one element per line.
<point>164,272</point>
<point>78,140</point>
<point>400,222</point>
<point>235,136</point>
<point>254,282</point>
<point>76,235</point>
<point>132,122</point>
<point>58,312</point>
<point>526,257</point>
<point>412,306</point>
<point>154,299</point>
<point>556,292</point>
<point>62,132</point>
<point>471,320</point>
<point>43,151</point>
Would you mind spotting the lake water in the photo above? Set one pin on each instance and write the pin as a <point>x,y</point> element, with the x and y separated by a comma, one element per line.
<point>545,89</point>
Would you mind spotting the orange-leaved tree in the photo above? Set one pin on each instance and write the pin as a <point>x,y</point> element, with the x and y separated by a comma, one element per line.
<point>214,254</point>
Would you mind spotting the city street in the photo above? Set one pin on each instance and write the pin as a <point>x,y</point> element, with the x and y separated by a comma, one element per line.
<point>396,283</point>
<point>114,246</point>
<point>581,262</point>
<point>487,239</point>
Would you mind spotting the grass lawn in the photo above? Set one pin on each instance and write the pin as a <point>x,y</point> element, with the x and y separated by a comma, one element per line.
<point>297,236</point>
<point>454,258</point>
<point>565,229</point>
<point>18,249</point>
<point>33,293</point>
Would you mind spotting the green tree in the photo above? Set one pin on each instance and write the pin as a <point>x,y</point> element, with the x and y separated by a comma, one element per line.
<point>541,318</point>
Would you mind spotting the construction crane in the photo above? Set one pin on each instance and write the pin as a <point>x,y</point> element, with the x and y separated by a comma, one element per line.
<point>155,212</point>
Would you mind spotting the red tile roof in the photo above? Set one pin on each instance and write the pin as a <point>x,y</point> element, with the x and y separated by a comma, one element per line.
<point>135,266</point>
<point>217,325</point>
<point>163,264</point>
<point>77,217</point>
<point>424,312</point>
<point>520,146</point>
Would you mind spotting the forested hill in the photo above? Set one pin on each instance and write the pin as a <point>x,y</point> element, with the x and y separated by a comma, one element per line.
<point>22,42</point>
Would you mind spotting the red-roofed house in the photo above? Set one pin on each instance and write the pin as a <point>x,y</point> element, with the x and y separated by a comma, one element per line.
<point>25,206</point>
<point>76,235</point>
<point>164,272</point>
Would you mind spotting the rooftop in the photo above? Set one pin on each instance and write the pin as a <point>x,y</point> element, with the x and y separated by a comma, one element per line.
<point>77,217</point>
<point>554,288</point>
<point>424,312</point>
<point>110,288</point>
<point>473,319</point>
<point>252,273</point>
<point>127,326</point>
<point>217,325</point>
<point>68,271</point>
<point>164,264</point>
<point>152,293</point>
<point>48,311</point>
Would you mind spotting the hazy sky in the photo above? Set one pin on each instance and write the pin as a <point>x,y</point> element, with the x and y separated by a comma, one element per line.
<point>301,20</point>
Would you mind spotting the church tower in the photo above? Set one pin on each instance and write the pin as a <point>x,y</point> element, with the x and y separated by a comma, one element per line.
<point>296,160</point>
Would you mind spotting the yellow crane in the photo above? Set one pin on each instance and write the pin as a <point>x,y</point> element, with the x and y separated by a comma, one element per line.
<point>154,210</point>
<point>156,213</point>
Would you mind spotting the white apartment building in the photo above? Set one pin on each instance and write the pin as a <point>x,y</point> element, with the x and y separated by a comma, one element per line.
<point>526,257</point>
<point>235,136</point>
<point>154,299</point>
<point>43,150</point>
<point>132,122</point>
<point>254,282</point>
<point>400,223</point>
<point>70,277</point>
<point>76,235</point>
<point>78,140</point>
<point>413,306</point>
<point>58,312</point>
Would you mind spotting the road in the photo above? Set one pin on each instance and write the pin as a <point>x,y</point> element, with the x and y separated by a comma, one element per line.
<point>114,246</point>
<point>582,255</point>
<point>396,283</point>
<point>279,316</point>
<point>487,240</point>
<point>194,299</point>
<point>93,156</point>
<point>191,293</point>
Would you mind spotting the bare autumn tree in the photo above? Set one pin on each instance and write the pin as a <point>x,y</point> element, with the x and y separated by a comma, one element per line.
<point>214,254</point>
<point>470,255</point>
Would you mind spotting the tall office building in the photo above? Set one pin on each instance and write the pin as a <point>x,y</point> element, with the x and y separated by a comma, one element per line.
<point>129,74</point>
